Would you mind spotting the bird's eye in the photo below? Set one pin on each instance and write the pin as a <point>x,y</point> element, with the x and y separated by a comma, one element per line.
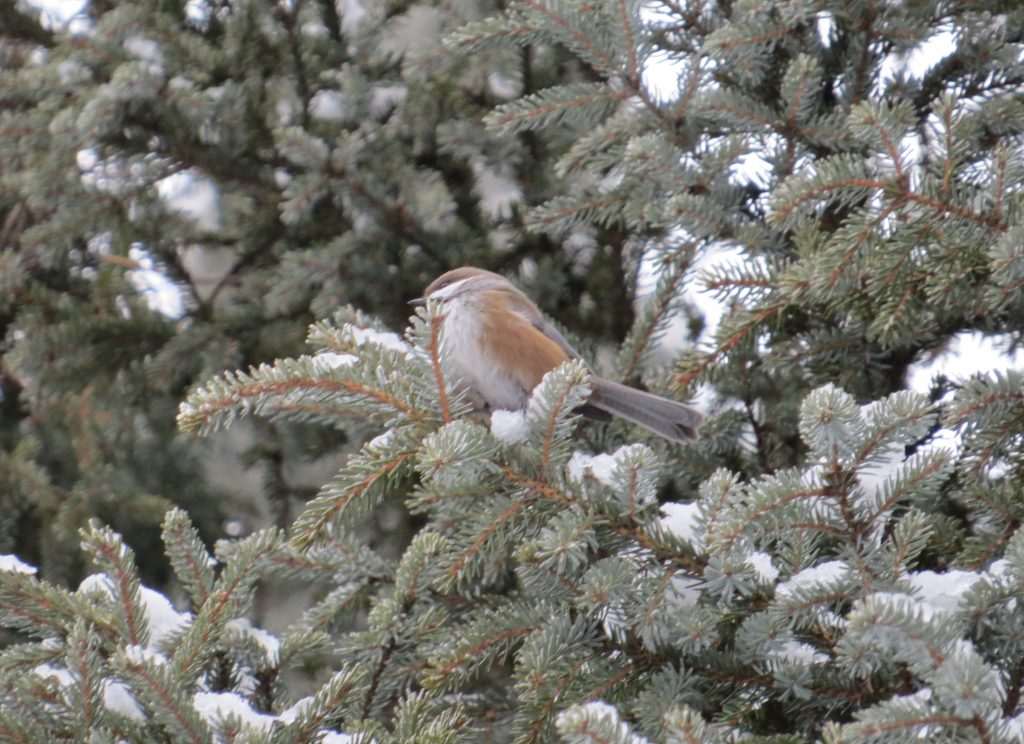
<point>443,284</point>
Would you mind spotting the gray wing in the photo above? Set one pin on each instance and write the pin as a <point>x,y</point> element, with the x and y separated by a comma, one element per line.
<point>524,308</point>
<point>538,322</point>
<point>551,332</point>
<point>589,411</point>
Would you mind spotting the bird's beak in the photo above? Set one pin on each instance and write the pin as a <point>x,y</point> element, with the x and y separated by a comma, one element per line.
<point>418,301</point>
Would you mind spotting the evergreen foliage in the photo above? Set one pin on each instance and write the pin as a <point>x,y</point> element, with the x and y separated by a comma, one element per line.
<point>838,558</point>
<point>274,162</point>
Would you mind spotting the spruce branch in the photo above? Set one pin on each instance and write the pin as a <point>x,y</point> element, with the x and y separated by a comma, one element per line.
<point>844,180</point>
<point>341,556</point>
<point>457,457</point>
<point>385,656</point>
<point>466,565</point>
<point>417,570</point>
<point>36,607</point>
<point>434,350</point>
<point>561,214</point>
<point>192,564</point>
<point>884,124</point>
<point>307,388</point>
<point>308,725</point>
<point>627,18</point>
<point>798,87</point>
<point>434,383</point>
<point>601,149</point>
<point>923,475</point>
<point>496,31</point>
<point>577,105</point>
<point>418,719</point>
<point>83,664</point>
<point>114,558</point>
<point>162,694</point>
<point>570,30</point>
<point>489,637</point>
<point>289,18</point>
<point>739,331</point>
<point>354,491</point>
<point>595,723</point>
<point>18,731</point>
<point>651,322</point>
<point>550,413</point>
<point>230,597</point>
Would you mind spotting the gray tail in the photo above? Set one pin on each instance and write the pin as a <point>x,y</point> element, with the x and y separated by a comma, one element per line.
<point>675,421</point>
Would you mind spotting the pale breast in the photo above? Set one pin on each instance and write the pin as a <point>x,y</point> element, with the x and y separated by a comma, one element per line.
<point>478,369</point>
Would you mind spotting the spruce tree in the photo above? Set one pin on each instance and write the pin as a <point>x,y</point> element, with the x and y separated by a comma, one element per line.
<point>273,162</point>
<point>838,558</point>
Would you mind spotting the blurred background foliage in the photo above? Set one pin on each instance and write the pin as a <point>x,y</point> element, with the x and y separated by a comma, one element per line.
<point>186,187</point>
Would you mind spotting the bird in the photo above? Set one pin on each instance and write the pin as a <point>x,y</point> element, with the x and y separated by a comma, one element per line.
<point>502,346</point>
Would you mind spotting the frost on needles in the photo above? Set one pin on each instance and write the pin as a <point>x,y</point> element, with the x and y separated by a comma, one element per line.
<point>547,595</point>
<point>837,559</point>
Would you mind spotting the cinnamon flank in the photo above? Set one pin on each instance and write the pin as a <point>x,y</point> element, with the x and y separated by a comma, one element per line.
<point>514,343</point>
